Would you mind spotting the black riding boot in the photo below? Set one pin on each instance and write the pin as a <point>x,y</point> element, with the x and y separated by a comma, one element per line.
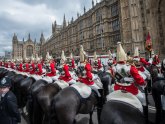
<point>145,112</point>
<point>100,104</point>
<point>163,117</point>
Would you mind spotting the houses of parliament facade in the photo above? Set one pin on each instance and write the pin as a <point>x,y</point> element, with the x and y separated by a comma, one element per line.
<point>108,22</point>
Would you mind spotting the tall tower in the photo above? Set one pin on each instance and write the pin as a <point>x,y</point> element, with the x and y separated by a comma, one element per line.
<point>42,39</point>
<point>29,37</point>
<point>14,46</point>
<point>64,22</point>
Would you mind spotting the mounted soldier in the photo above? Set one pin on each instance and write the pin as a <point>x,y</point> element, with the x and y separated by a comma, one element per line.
<point>50,65</point>
<point>97,63</point>
<point>20,65</point>
<point>32,65</point>
<point>67,76</point>
<point>39,66</point>
<point>140,65</point>
<point>128,77</point>
<point>111,63</point>
<point>72,62</point>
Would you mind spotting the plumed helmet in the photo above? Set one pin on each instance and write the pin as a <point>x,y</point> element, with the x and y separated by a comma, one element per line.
<point>32,58</point>
<point>37,58</point>
<point>136,52</point>
<point>110,54</point>
<point>83,54</point>
<point>63,58</point>
<point>95,56</point>
<point>71,56</point>
<point>121,55</point>
<point>5,82</point>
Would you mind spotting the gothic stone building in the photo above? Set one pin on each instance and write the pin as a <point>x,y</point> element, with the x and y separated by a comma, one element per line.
<point>108,22</point>
<point>25,49</point>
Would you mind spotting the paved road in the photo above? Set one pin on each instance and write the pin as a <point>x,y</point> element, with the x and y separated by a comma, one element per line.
<point>84,119</point>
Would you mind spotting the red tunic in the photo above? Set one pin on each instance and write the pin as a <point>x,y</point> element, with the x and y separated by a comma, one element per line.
<point>53,70</point>
<point>99,64</point>
<point>39,72</point>
<point>132,88</point>
<point>33,69</point>
<point>67,77</point>
<point>6,65</point>
<point>88,78</point>
<point>20,67</point>
<point>142,60</point>
<point>0,63</point>
<point>72,64</point>
<point>156,60</point>
<point>27,67</point>
<point>12,65</point>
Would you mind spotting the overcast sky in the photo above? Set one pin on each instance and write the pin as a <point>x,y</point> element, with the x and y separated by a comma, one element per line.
<point>35,16</point>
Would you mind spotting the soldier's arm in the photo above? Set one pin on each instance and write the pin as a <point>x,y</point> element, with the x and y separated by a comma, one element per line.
<point>135,74</point>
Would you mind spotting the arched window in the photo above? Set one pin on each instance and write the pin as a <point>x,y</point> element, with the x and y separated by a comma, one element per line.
<point>29,51</point>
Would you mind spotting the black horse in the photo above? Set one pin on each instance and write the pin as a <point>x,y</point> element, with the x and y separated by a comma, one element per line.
<point>43,102</point>
<point>34,110</point>
<point>68,103</point>
<point>16,82</point>
<point>158,89</point>
<point>117,112</point>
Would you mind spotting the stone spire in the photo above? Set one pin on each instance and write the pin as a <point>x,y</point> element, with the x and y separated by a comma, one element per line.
<point>92,3</point>
<point>64,22</point>
<point>72,20</point>
<point>42,39</point>
<point>52,28</point>
<point>15,38</point>
<point>84,9</point>
<point>29,37</point>
<point>78,15</point>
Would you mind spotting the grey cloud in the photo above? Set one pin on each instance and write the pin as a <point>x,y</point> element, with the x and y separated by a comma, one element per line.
<point>39,19</point>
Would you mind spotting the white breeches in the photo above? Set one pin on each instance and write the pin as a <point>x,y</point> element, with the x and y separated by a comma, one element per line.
<point>163,101</point>
<point>142,98</point>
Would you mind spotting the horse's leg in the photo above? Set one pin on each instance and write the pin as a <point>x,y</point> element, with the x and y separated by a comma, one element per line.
<point>37,113</point>
<point>30,109</point>
<point>90,118</point>
<point>149,85</point>
<point>157,98</point>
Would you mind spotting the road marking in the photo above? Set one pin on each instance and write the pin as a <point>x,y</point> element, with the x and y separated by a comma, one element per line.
<point>152,108</point>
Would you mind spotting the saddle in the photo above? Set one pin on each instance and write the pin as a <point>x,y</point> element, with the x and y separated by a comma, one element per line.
<point>125,97</point>
<point>47,79</point>
<point>83,89</point>
<point>62,84</point>
<point>36,77</point>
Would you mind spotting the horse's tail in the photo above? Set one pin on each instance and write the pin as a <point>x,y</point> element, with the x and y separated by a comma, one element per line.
<point>54,119</point>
